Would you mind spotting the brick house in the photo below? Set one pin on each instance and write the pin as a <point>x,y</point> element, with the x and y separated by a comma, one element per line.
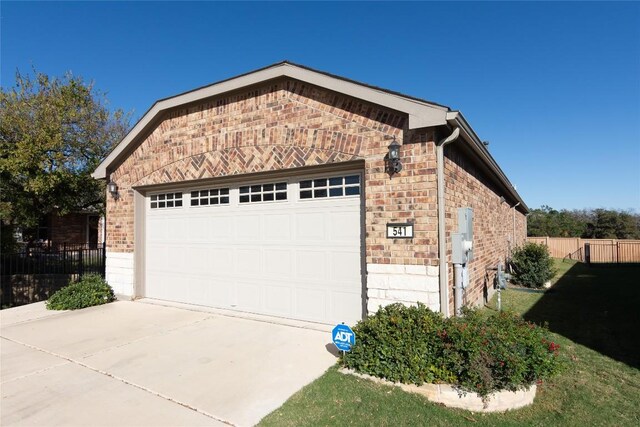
<point>273,193</point>
<point>84,227</point>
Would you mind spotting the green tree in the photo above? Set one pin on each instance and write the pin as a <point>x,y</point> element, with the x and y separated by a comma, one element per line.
<point>598,223</point>
<point>609,224</point>
<point>53,133</point>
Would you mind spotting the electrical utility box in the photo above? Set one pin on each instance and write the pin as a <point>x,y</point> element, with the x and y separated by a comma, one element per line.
<point>462,241</point>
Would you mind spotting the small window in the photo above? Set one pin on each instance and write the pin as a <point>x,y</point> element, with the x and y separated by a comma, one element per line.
<point>166,200</point>
<point>263,192</point>
<point>339,186</point>
<point>212,196</point>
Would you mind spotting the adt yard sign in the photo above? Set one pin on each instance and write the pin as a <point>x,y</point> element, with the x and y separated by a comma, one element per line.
<point>343,337</point>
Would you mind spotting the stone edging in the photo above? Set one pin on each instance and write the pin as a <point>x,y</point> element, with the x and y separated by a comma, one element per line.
<point>450,396</point>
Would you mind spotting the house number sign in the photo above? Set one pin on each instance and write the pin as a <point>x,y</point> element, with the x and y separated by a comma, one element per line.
<point>400,231</point>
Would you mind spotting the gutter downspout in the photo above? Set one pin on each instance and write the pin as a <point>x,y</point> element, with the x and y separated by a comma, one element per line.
<point>442,244</point>
<point>514,222</point>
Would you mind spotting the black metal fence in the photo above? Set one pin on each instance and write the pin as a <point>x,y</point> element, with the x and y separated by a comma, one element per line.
<point>35,273</point>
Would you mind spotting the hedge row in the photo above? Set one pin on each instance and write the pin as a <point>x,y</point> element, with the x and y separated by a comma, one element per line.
<point>477,352</point>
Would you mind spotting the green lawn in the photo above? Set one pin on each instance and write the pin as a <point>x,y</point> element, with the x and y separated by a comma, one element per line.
<point>594,314</point>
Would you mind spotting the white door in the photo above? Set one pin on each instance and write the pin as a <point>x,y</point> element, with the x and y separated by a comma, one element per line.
<point>282,247</point>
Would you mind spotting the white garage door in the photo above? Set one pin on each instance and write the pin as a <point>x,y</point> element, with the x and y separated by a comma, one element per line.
<point>282,247</point>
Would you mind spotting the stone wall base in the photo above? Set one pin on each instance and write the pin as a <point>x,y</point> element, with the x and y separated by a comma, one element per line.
<point>450,396</point>
<point>120,274</point>
<point>407,284</point>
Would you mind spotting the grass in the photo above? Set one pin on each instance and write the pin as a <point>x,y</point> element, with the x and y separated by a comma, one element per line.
<point>591,311</point>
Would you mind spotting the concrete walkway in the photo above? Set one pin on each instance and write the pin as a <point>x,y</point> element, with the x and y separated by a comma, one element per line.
<point>137,364</point>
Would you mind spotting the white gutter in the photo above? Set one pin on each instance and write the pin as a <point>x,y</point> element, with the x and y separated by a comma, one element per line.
<point>442,243</point>
<point>514,224</point>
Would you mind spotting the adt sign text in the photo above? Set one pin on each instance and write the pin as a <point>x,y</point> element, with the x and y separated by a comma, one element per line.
<point>343,337</point>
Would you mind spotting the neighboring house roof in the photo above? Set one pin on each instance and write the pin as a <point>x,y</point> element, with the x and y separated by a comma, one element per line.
<point>421,113</point>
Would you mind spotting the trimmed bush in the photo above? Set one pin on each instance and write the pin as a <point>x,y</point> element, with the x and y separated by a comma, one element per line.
<point>89,291</point>
<point>476,352</point>
<point>400,344</point>
<point>532,265</point>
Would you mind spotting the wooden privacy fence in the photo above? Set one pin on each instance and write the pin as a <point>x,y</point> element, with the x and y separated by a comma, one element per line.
<point>591,250</point>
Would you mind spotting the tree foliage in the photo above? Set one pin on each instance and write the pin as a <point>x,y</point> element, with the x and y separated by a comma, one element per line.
<point>592,224</point>
<point>53,133</point>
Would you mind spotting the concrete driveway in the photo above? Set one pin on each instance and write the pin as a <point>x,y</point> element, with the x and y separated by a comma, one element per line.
<point>138,364</point>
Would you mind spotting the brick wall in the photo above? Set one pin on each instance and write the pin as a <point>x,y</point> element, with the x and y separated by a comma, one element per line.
<point>287,124</point>
<point>284,125</point>
<point>467,186</point>
<point>70,228</point>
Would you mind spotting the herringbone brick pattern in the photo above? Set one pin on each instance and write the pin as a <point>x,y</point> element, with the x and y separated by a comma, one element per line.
<point>284,125</point>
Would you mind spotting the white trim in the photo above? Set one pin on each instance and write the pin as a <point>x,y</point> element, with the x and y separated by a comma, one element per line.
<point>421,114</point>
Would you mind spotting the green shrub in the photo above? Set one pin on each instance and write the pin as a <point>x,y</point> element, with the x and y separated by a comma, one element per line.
<point>532,265</point>
<point>398,343</point>
<point>89,291</point>
<point>476,352</point>
<point>501,351</point>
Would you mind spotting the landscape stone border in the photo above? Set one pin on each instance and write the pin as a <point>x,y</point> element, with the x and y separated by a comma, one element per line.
<point>451,396</point>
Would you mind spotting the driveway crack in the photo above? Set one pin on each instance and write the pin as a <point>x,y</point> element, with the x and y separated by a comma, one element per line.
<point>117,378</point>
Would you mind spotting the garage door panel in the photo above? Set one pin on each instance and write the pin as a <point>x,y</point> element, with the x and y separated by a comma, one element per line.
<point>199,229</point>
<point>221,293</point>
<point>248,227</point>
<point>310,226</point>
<point>341,267</point>
<point>221,261</point>
<point>176,259</point>
<point>278,263</point>
<point>248,296</point>
<point>342,229</point>
<point>248,261</point>
<point>176,229</point>
<point>219,229</point>
<point>197,289</point>
<point>156,258</point>
<point>159,286</point>
<point>277,227</point>
<point>341,307</point>
<point>158,229</point>
<point>278,300</point>
<point>197,260</point>
<point>292,258</point>
<point>311,265</point>
<point>311,304</point>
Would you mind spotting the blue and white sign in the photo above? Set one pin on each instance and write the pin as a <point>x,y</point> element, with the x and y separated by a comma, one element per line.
<point>343,337</point>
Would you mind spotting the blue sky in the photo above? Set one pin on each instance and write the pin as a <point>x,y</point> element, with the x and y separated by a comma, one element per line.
<point>554,87</point>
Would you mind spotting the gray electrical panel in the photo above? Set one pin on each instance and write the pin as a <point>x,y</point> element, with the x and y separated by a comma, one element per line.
<point>462,241</point>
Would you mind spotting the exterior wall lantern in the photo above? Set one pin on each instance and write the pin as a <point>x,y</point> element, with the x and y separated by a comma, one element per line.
<point>393,159</point>
<point>113,189</point>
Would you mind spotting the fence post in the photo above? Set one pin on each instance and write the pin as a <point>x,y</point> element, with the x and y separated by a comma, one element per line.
<point>80,263</point>
<point>587,253</point>
<point>104,259</point>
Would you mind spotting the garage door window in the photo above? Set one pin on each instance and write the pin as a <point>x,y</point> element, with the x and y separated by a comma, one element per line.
<point>210,197</point>
<point>167,200</point>
<point>339,186</point>
<point>263,192</point>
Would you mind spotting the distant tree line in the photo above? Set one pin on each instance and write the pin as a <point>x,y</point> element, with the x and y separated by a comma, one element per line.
<point>585,223</point>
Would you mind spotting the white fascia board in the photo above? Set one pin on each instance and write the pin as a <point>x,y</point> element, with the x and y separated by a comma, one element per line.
<point>455,118</point>
<point>421,114</point>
